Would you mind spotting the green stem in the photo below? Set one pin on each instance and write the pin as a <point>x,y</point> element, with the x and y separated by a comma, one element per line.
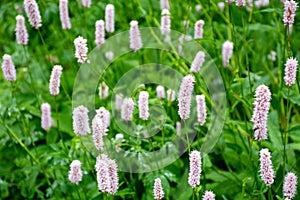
<point>58,127</point>
<point>25,129</point>
<point>31,78</point>
<point>45,47</point>
<point>14,135</point>
<point>270,195</point>
<point>285,133</point>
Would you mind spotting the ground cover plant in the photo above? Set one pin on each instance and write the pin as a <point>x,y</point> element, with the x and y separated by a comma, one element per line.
<point>149,99</point>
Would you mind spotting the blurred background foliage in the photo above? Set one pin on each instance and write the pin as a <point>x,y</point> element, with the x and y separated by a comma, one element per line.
<point>35,163</point>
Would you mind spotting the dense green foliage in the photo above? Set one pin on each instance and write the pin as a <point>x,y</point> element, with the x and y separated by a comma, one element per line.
<point>35,163</point>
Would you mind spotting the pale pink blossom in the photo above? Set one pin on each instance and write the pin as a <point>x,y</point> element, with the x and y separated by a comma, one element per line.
<point>195,168</point>
<point>266,168</point>
<point>55,80</point>
<point>103,178</point>
<point>135,37</point>
<point>290,186</point>
<point>119,137</point>
<point>81,121</point>
<point>86,3</point>
<point>158,190</point>
<point>127,109</point>
<point>290,8</point>
<point>201,109</point>
<point>103,90</point>
<point>113,175</point>
<point>46,116</point>
<point>272,56</point>
<point>104,115</point>
<point>81,49</point>
<point>107,174</point>
<point>198,61</point>
<point>109,55</point>
<point>240,3</point>
<point>143,105</point>
<point>221,6</point>
<point>198,8</point>
<point>110,18</point>
<point>164,4</point>
<point>165,25</point>
<point>185,96</point>
<point>64,14</point>
<point>171,95</point>
<point>260,113</point>
<point>230,1</point>
<point>99,33</point>
<point>98,132</point>
<point>291,66</point>
<point>21,31</point>
<point>8,68</point>
<point>119,101</point>
<point>208,195</point>
<point>198,32</point>
<point>75,173</point>
<point>33,13</point>
<point>227,50</point>
<point>160,92</point>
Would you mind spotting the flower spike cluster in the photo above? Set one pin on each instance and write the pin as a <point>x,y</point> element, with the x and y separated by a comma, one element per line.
<point>158,190</point>
<point>21,31</point>
<point>107,174</point>
<point>261,110</point>
<point>266,168</point>
<point>185,96</point>
<point>195,169</point>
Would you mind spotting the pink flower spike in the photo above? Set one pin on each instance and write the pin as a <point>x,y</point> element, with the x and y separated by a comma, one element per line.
<point>86,3</point>
<point>158,190</point>
<point>107,174</point>
<point>103,90</point>
<point>160,92</point>
<point>165,25</point>
<point>240,3</point>
<point>227,50</point>
<point>55,80</point>
<point>164,4</point>
<point>81,121</point>
<point>290,8</point>
<point>81,49</point>
<point>99,33</point>
<point>110,18</point>
<point>75,173</point>
<point>201,109</point>
<point>221,6</point>
<point>33,13</point>
<point>185,96</point>
<point>291,66</point>
<point>127,109</point>
<point>135,37</point>
<point>198,33</point>
<point>266,168</point>
<point>46,116</point>
<point>143,105</point>
<point>208,195</point>
<point>260,113</point>
<point>290,186</point>
<point>21,31</point>
<point>8,68</point>
<point>171,95</point>
<point>198,61</point>
<point>195,169</point>
<point>64,14</point>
